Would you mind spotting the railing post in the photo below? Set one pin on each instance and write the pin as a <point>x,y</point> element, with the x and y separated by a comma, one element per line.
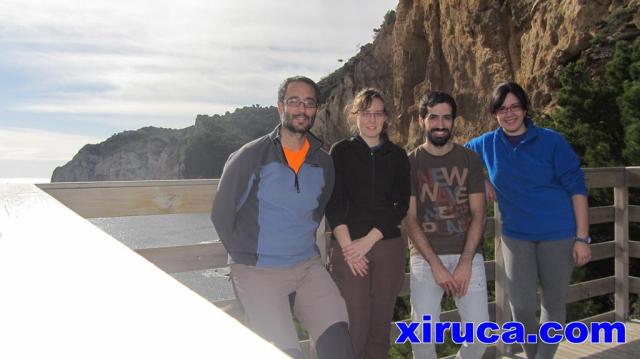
<point>503,310</point>
<point>621,204</point>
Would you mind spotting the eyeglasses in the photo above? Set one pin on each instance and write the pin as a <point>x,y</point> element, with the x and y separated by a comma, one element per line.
<point>373,115</point>
<point>514,108</point>
<point>296,102</point>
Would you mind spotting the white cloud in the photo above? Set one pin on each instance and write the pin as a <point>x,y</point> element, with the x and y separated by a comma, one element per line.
<point>125,64</point>
<point>17,144</point>
<point>159,109</point>
<point>145,52</point>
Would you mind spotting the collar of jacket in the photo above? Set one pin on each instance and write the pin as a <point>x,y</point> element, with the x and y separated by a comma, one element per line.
<point>532,131</point>
<point>314,142</point>
<point>383,147</point>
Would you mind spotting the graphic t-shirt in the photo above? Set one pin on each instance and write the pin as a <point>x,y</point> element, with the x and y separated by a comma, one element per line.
<point>441,185</point>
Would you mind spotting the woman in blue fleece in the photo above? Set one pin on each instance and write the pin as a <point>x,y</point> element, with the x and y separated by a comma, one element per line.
<point>542,196</point>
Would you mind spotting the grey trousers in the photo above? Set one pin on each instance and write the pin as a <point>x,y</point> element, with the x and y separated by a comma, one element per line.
<point>426,296</point>
<point>528,263</point>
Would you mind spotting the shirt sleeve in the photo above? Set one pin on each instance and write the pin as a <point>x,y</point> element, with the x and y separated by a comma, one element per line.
<point>337,207</point>
<point>566,167</point>
<point>402,187</point>
<point>472,145</point>
<point>413,173</point>
<point>330,181</point>
<point>399,194</point>
<point>233,189</point>
<point>476,174</point>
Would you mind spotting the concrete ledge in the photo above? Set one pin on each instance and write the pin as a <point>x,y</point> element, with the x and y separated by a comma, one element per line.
<point>70,290</point>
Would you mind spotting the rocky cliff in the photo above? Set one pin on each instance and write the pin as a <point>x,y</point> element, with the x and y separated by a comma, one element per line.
<point>148,153</point>
<point>462,47</point>
<point>151,153</point>
<point>467,47</point>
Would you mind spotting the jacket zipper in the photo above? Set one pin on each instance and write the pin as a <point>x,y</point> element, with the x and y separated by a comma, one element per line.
<point>373,177</point>
<point>296,183</point>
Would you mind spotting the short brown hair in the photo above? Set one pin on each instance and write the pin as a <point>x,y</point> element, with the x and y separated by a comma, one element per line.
<point>362,101</point>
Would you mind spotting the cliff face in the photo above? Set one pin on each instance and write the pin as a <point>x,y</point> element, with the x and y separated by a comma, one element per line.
<point>462,47</point>
<point>466,48</point>
<point>371,67</point>
<point>148,153</point>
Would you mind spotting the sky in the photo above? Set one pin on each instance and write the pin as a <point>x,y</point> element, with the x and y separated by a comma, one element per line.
<point>74,72</point>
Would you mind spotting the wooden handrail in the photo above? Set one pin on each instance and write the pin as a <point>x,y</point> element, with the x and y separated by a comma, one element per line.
<point>134,198</point>
<point>138,198</point>
<point>605,177</point>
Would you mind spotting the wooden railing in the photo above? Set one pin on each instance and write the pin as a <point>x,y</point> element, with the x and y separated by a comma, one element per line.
<point>114,199</point>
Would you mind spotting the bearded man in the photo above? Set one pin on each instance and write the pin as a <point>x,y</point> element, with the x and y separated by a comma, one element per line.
<point>445,223</point>
<point>270,201</point>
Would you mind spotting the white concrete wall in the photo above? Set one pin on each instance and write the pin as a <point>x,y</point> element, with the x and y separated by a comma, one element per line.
<point>69,290</point>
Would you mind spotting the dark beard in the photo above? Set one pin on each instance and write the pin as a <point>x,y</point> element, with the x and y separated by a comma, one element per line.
<point>439,141</point>
<point>287,122</point>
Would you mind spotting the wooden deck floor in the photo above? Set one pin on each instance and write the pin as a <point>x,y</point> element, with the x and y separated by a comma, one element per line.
<point>629,350</point>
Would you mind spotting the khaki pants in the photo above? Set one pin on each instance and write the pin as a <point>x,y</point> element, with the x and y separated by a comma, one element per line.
<point>266,295</point>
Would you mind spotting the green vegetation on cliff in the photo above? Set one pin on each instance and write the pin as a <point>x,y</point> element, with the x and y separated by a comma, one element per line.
<point>216,137</point>
<point>599,113</point>
<point>600,116</point>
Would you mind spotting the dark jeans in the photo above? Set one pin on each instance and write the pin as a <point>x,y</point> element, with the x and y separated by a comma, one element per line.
<point>370,299</point>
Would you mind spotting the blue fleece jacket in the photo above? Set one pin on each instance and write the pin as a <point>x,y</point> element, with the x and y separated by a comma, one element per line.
<point>534,182</point>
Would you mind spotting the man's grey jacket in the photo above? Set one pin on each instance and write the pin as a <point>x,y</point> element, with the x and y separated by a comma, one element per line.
<point>264,213</point>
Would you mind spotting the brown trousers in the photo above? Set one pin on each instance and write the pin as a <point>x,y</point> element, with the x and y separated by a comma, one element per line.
<point>265,295</point>
<point>370,299</point>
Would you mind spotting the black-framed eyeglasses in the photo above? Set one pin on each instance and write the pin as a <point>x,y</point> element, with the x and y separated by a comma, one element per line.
<point>296,102</point>
<point>514,108</point>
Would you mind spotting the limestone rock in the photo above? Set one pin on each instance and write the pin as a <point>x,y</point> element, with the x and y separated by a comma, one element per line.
<point>151,153</point>
<point>148,153</point>
<point>466,48</point>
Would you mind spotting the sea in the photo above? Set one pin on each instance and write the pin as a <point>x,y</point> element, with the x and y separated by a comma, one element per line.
<point>173,230</point>
<point>138,232</point>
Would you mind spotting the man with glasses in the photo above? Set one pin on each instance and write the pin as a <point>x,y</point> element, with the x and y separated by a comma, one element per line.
<point>445,223</point>
<point>270,200</point>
